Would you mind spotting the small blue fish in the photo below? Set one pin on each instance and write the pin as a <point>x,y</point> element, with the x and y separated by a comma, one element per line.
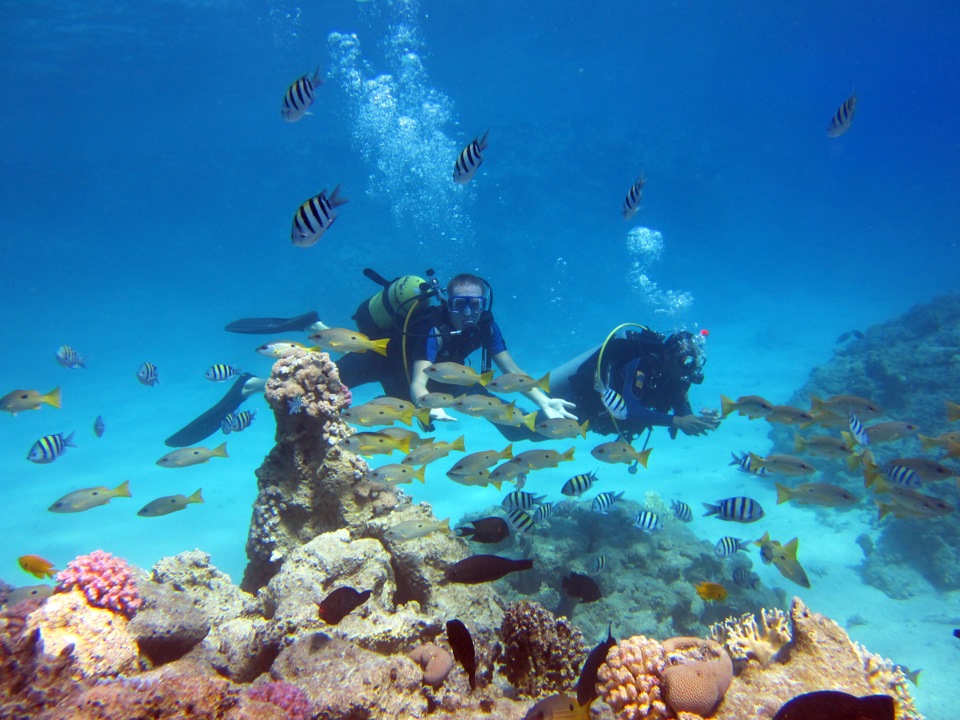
<point>70,358</point>
<point>647,521</point>
<point>98,426</point>
<point>221,372</point>
<point>50,447</point>
<point>295,406</point>
<point>148,374</point>
<point>681,511</point>
<point>727,546</point>
<point>735,509</point>
<point>604,501</point>
<point>858,431</point>
<point>235,422</point>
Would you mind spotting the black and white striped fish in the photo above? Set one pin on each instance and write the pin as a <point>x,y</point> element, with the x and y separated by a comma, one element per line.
<point>300,96</point>
<point>843,118</point>
<point>470,159</point>
<point>604,501</point>
<point>235,422</point>
<point>521,500</point>
<point>50,447</point>
<point>611,398</point>
<point>632,201</point>
<point>579,484</point>
<point>647,521</point>
<point>520,520</point>
<point>148,374</point>
<point>681,511</point>
<point>315,217</point>
<point>858,431</point>
<point>599,564</point>
<point>744,577</point>
<point>70,358</point>
<point>746,464</point>
<point>221,372</point>
<point>543,511</point>
<point>901,476</point>
<point>727,546</point>
<point>736,509</point>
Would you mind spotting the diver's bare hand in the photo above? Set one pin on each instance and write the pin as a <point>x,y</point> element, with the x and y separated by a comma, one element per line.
<point>440,415</point>
<point>557,408</point>
<point>695,424</point>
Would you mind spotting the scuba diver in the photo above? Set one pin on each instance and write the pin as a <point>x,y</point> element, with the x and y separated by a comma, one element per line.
<point>636,382</point>
<point>421,333</point>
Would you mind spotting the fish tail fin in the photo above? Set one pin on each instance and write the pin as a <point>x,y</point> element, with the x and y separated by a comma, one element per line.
<point>423,415</point>
<point>196,497</point>
<point>316,79</point>
<point>52,398</point>
<point>220,450</point>
<point>711,509</point>
<point>848,439</point>
<point>122,490</point>
<point>883,509</point>
<point>445,524</point>
<point>816,404</point>
<point>783,494</point>
<point>404,445</point>
<point>544,383</point>
<point>736,459</point>
<point>335,200</point>
<point>419,475</point>
<point>507,452</point>
<point>852,461</point>
<point>406,417</point>
<point>482,142</point>
<point>926,442</point>
<point>727,406</point>
<point>644,457</point>
<point>380,346</point>
<point>763,540</point>
<point>583,429</point>
<point>530,420</point>
<point>68,440</point>
<point>459,444</point>
<point>756,461</point>
<point>953,411</point>
<point>568,455</point>
<point>496,484</point>
<point>798,443</point>
<point>486,377</point>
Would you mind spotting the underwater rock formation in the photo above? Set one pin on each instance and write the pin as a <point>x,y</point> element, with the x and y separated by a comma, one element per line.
<point>908,366</point>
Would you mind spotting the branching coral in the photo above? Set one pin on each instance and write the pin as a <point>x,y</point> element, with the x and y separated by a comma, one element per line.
<point>542,653</point>
<point>105,580</point>
<point>744,639</point>
<point>886,678</point>
<point>629,680</point>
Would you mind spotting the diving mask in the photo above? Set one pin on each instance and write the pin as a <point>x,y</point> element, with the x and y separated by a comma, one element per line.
<point>467,304</point>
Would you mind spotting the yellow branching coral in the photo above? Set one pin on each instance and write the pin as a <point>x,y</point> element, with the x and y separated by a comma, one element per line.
<point>629,680</point>
<point>888,679</point>
<point>744,639</point>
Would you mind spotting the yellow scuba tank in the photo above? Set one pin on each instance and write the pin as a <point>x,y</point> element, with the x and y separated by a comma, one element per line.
<point>377,316</point>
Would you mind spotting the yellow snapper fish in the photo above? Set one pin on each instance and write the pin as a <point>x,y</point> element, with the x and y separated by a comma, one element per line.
<point>953,411</point>
<point>620,452</point>
<point>479,405</point>
<point>396,473</point>
<point>558,707</point>
<point>752,406</point>
<point>401,434</point>
<point>28,592</point>
<point>474,462</point>
<point>80,500</point>
<point>427,453</point>
<point>413,529</point>
<point>185,457</point>
<point>436,400</point>
<point>168,504</point>
<point>789,415</point>
<point>782,464</point>
<point>824,446</point>
<point>562,428</point>
<point>20,400</point>
<point>908,503</point>
<point>940,441</point>
<point>504,472</point>
<point>823,494</point>
<point>283,347</point>
<point>518,382</point>
<point>540,459</point>
<point>784,558</point>
<point>844,406</point>
<point>453,373</point>
<point>890,431</point>
<point>477,478</point>
<point>345,340</point>
<point>511,415</point>
<point>373,443</point>
<point>372,413</point>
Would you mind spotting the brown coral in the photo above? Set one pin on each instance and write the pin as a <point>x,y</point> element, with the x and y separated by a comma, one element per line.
<point>698,674</point>
<point>435,661</point>
<point>542,653</point>
<point>629,679</point>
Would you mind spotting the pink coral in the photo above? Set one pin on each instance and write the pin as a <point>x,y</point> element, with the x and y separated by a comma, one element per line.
<point>346,395</point>
<point>291,699</point>
<point>105,580</point>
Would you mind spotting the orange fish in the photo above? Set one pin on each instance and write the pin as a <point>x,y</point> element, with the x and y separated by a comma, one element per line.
<point>711,591</point>
<point>37,566</point>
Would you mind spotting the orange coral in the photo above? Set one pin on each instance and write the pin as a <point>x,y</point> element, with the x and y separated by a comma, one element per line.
<point>629,680</point>
<point>699,673</point>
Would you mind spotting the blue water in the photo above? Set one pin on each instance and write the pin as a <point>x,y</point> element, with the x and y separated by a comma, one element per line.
<point>149,184</point>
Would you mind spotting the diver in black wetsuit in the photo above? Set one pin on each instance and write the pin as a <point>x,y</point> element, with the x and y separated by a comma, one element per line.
<point>649,373</point>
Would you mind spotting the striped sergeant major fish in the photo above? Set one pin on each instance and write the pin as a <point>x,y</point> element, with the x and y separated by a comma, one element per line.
<point>315,217</point>
<point>70,358</point>
<point>221,372</point>
<point>579,484</point>
<point>50,447</point>
<point>599,564</point>
<point>610,397</point>
<point>521,500</point>
<point>470,159</point>
<point>520,520</point>
<point>647,521</point>
<point>604,501</point>
<point>843,118</point>
<point>235,422</point>
<point>727,546</point>
<point>681,511</point>
<point>631,202</point>
<point>300,96</point>
<point>543,511</point>
<point>745,464</point>
<point>148,374</point>
<point>858,431</point>
<point>736,509</point>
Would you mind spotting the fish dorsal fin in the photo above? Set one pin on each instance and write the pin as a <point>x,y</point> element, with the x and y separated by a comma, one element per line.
<point>790,549</point>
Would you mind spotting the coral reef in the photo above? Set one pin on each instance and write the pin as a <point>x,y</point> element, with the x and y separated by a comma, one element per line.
<point>745,640</point>
<point>105,580</point>
<point>697,675</point>
<point>435,661</point>
<point>306,485</point>
<point>542,654</point>
<point>167,625</point>
<point>289,698</point>
<point>885,678</point>
<point>630,679</point>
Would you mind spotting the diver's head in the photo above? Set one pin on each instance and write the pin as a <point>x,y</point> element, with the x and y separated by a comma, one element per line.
<point>466,300</point>
<point>684,357</point>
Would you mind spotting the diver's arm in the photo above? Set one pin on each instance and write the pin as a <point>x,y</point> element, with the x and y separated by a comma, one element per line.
<point>551,407</point>
<point>418,388</point>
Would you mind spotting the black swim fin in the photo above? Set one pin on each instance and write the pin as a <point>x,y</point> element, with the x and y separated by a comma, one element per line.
<point>209,422</point>
<point>269,326</point>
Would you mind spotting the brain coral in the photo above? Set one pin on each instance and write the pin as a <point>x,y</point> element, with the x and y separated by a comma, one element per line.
<point>105,580</point>
<point>699,673</point>
<point>542,653</point>
<point>629,680</point>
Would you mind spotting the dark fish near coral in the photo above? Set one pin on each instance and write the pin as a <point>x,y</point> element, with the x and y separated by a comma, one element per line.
<point>463,651</point>
<point>835,705</point>
<point>484,568</point>
<point>558,707</point>
<point>340,603</point>
<point>587,682</point>
<point>582,586</point>
<point>485,530</point>
<point>98,426</point>
<point>850,334</point>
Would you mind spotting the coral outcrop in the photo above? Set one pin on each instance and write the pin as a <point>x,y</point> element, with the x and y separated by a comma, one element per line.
<point>745,639</point>
<point>435,661</point>
<point>106,581</point>
<point>697,674</point>
<point>630,679</point>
